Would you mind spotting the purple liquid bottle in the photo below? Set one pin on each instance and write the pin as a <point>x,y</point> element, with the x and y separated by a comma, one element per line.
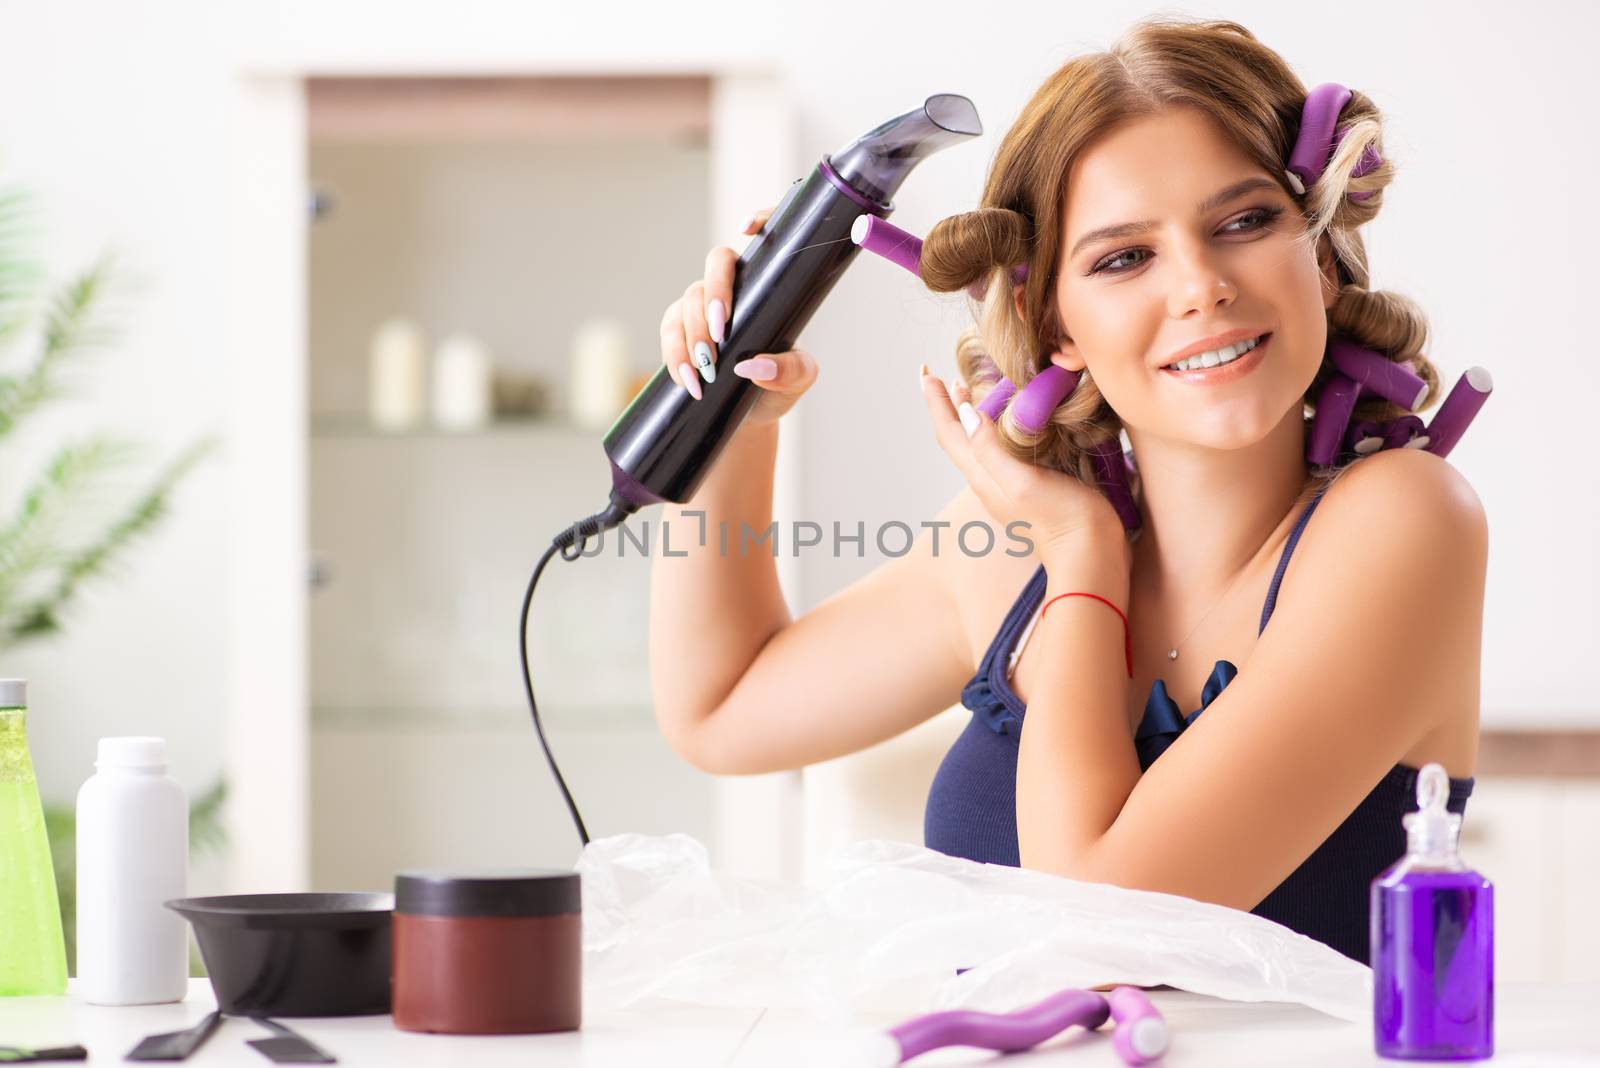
<point>1432,942</point>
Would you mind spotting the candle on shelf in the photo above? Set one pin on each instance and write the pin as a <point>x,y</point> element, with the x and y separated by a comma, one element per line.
<point>461,383</point>
<point>599,373</point>
<point>396,370</point>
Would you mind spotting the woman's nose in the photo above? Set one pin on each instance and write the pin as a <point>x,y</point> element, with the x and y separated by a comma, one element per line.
<point>1200,286</point>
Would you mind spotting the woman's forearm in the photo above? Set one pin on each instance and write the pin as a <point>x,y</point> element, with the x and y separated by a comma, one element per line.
<point>1076,764</point>
<point>711,610</point>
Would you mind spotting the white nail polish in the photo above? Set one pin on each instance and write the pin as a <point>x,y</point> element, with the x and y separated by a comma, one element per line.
<point>716,318</point>
<point>702,360</point>
<point>969,418</point>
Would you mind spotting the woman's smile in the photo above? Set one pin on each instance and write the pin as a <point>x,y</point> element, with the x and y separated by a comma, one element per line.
<point>1223,372</point>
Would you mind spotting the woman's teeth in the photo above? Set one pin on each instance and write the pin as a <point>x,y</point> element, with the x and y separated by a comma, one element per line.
<point>1227,354</point>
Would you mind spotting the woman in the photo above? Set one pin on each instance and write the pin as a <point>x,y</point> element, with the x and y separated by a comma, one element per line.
<point>1285,797</point>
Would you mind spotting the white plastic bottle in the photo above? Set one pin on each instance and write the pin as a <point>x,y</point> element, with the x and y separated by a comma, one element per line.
<point>133,854</point>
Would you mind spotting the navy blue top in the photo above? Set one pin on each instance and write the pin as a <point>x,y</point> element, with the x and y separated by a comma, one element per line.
<point>972,803</point>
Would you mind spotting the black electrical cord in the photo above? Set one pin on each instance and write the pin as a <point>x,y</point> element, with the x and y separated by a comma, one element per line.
<point>570,543</point>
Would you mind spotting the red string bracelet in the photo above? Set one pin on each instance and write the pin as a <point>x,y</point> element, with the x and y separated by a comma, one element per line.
<point>1127,636</point>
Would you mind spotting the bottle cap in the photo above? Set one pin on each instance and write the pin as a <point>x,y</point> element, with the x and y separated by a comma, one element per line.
<point>131,753</point>
<point>13,693</point>
<point>1432,830</point>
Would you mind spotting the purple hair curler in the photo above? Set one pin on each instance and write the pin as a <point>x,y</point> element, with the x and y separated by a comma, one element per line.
<point>905,249</point>
<point>1140,1035</point>
<point>1141,1032</point>
<point>1334,405</point>
<point>1377,373</point>
<point>1038,400</point>
<point>1406,432</point>
<point>1005,1032</point>
<point>1111,469</point>
<point>1314,144</point>
<point>1365,437</point>
<point>889,241</point>
<point>997,399</point>
<point>1458,410</point>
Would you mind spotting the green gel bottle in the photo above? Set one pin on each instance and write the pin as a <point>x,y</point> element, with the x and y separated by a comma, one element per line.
<point>33,953</point>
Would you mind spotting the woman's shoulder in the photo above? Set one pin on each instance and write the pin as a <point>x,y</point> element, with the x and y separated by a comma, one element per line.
<point>1399,532</point>
<point>1403,493</point>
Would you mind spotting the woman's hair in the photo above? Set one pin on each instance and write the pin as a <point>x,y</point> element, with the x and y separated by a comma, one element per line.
<point>1255,100</point>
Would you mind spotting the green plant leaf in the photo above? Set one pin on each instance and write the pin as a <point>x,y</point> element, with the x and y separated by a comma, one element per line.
<point>41,616</point>
<point>70,327</point>
<point>30,543</point>
<point>20,273</point>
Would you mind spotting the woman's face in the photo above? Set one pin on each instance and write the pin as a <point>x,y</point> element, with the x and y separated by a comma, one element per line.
<point>1129,303</point>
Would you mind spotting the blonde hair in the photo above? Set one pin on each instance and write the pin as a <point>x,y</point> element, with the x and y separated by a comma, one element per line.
<point>1255,100</point>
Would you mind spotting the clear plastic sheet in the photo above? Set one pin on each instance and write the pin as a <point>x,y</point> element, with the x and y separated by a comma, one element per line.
<point>888,931</point>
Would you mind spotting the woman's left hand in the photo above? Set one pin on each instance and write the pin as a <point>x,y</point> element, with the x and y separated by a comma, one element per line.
<point>1055,507</point>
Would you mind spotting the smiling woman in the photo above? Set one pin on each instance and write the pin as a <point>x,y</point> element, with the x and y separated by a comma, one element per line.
<point>1191,283</point>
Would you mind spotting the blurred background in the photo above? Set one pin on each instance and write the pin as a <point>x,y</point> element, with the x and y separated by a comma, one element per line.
<point>385,273</point>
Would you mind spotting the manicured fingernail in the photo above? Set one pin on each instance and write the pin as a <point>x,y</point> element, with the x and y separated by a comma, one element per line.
<point>702,360</point>
<point>716,317</point>
<point>921,374</point>
<point>691,381</point>
<point>969,418</point>
<point>759,368</point>
<point>749,220</point>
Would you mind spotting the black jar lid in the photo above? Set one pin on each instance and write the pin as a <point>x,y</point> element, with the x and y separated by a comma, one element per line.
<point>488,892</point>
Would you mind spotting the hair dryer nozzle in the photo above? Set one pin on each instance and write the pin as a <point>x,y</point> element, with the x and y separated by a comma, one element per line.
<point>878,161</point>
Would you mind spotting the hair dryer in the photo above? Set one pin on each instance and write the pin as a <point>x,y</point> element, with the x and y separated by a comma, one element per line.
<point>664,443</point>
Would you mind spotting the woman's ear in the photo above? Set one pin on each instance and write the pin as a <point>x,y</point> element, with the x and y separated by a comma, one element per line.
<point>1065,356</point>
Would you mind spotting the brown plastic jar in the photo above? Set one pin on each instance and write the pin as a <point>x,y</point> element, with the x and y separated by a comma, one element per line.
<point>488,952</point>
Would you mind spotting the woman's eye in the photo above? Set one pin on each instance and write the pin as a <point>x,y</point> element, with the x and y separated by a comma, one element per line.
<point>1259,219</point>
<point>1104,266</point>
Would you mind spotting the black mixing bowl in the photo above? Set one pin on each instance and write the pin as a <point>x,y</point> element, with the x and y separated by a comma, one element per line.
<point>315,954</point>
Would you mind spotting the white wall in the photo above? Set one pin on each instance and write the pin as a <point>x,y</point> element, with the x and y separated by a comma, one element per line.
<point>119,115</point>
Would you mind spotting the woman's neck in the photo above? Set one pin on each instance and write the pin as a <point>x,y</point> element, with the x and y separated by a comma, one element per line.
<point>1208,513</point>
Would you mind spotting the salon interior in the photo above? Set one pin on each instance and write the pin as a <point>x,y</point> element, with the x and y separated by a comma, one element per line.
<point>329,319</point>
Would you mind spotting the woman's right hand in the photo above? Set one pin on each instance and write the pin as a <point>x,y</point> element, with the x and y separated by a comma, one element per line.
<point>695,325</point>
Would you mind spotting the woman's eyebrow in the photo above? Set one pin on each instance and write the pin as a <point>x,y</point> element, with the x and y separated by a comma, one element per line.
<point>1133,229</point>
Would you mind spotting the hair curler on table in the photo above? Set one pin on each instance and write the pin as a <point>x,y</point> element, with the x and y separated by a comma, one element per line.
<point>1140,1035</point>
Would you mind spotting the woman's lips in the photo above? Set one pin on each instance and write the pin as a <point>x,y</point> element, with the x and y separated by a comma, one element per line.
<point>1223,372</point>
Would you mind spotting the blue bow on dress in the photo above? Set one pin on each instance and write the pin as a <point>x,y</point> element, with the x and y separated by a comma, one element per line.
<point>1162,722</point>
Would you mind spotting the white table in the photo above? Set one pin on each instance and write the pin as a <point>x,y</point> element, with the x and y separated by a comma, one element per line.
<point>1559,1022</point>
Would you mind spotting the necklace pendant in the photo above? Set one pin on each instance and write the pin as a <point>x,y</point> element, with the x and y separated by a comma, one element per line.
<point>1172,654</point>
